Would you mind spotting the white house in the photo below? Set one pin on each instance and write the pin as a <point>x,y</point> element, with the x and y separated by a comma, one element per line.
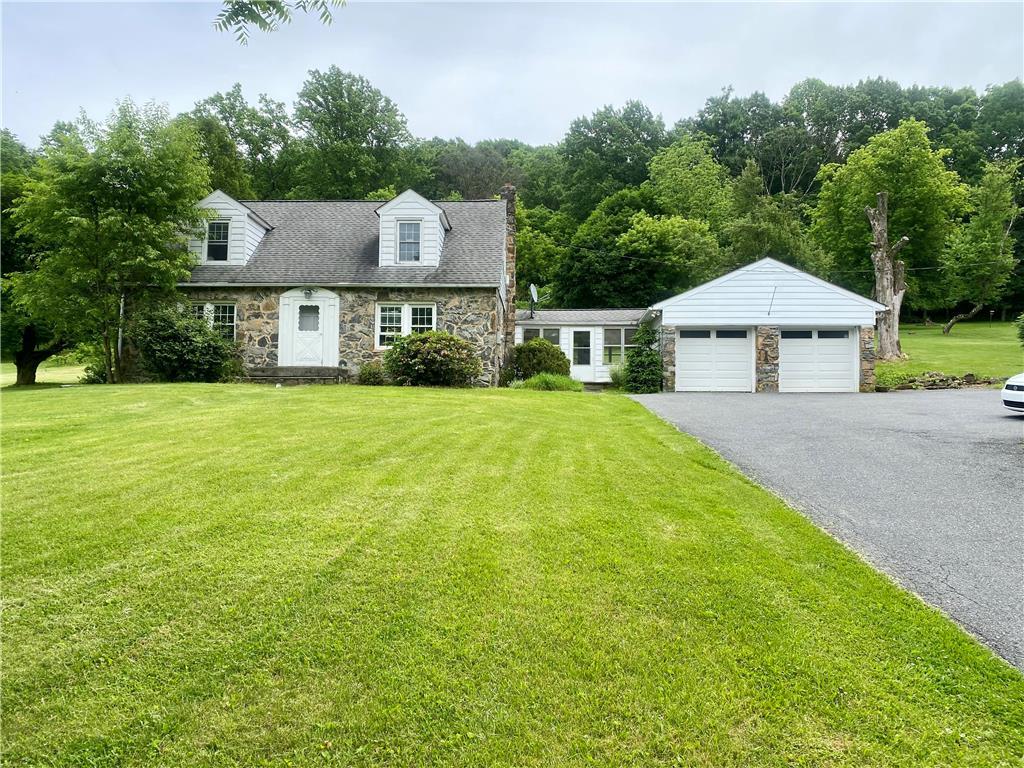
<point>764,327</point>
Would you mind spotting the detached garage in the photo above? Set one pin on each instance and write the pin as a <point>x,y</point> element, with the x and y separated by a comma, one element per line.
<point>767,327</point>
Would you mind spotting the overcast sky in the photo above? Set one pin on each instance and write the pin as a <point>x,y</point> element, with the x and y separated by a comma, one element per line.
<point>497,69</point>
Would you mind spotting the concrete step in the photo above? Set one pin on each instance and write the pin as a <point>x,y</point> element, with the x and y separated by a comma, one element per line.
<point>293,374</point>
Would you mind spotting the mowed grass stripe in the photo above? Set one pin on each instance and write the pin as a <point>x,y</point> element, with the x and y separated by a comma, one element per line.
<point>239,575</point>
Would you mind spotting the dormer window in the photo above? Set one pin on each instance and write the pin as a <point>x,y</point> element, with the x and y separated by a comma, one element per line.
<point>408,241</point>
<point>217,241</point>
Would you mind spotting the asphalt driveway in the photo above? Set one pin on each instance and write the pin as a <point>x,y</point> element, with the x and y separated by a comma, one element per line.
<point>927,486</point>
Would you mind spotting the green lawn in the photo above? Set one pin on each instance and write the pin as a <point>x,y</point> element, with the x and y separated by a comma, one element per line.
<point>214,575</point>
<point>47,374</point>
<point>979,348</point>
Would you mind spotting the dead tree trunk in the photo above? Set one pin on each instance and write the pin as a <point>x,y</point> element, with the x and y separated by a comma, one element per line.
<point>890,279</point>
<point>962,316</point>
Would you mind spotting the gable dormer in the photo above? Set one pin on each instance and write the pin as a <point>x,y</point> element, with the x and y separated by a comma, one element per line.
<point>232,236</point>
<point>412,231</point>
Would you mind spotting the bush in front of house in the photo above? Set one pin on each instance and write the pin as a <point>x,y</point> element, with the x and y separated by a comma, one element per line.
<point>1020,328</point>
<point>549,382</point>
<point>433,359</point>
<point>643,369</point>
<point>537,356</point>
<point>175,345</point>
<point>617,375</point>
<point>372,374</point>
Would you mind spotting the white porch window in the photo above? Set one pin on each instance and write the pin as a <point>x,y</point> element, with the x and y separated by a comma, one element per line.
<point>617,343</point>
<point>548,334</point>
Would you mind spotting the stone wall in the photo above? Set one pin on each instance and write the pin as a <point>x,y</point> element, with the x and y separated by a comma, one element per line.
<point>667,345</point>
<point>766,358</point>
<point>867,359</point>
<point>471,313</point>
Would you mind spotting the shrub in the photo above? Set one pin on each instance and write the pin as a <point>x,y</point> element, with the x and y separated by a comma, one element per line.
<point>537,356</point>
<point>175,345</point>
<point>643,369</point>
<point>618,376</point>
<point>372,374</point>
<point>433,359</point>
<point>1020,328</point>
<point>549,382</point>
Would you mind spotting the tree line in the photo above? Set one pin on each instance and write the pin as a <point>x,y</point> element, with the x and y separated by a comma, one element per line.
<point>625,209</point>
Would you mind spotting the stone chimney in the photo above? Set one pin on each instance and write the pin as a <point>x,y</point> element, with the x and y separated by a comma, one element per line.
<point>508,194</point>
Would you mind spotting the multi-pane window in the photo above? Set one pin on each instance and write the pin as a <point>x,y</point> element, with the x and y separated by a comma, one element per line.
<point>220,317</point>
<point>217,241</point>
<point>389,324</point>
<point>581,347</point>
<point>408,241</point>
<point>394,320</point>
<point>548,334</point>
<point>422,319</point>
<point>617,342</point>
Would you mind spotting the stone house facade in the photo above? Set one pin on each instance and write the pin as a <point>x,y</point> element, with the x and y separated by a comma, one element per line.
<point>309,287</point>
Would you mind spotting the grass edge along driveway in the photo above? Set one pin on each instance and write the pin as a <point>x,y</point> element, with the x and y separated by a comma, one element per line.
<point>243,575</point>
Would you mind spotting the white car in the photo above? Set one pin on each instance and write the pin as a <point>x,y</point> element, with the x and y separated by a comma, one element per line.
<point>1013,393</point>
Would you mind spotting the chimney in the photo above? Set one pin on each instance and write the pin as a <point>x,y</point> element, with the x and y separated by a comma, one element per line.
<point>508,194</point>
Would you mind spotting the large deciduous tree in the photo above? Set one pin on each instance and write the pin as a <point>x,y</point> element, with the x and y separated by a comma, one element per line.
<point>237,16</point>
<point>109,209</point>
<point>978,259</point>
<point>354,136</point>
<point>689,182</point>
<point>609,151</point>
<point>923,201</point>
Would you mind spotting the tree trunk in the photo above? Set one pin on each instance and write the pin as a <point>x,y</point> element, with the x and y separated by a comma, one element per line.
<point>28,358</point>
<point>890,279</point>
<point>962,316</point>
<point>106,356</point>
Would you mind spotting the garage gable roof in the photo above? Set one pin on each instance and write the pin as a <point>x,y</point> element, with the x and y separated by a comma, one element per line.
<point>769,292</point>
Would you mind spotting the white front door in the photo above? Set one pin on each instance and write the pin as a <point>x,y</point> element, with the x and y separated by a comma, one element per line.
<point>824,360</point>
<point>309,328</point>
<point>581,354</point>
<point>715,360</point>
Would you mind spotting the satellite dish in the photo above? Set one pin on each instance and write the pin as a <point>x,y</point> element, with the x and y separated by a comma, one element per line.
<point>533,293</point>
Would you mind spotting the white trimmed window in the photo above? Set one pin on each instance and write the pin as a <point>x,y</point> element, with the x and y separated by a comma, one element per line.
<point>617,342</point>
<point>217,240</point>
<point>220,317</point>
<point>548,334</point>
<point>408,241</point>
<point>394,320</point>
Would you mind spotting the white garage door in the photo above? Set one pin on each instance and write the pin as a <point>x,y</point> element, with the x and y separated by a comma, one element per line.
<point>818,361</point>
<point>715,360</point>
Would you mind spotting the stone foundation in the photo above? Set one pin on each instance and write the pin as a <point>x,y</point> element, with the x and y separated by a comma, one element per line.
<point>766,358</point>
<point>474,314</point>
<point>867,359</point>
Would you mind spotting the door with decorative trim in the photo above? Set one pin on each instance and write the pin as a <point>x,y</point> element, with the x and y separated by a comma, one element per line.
<point>309,328</point>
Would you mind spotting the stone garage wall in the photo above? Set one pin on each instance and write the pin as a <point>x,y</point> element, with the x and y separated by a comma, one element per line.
<point>766,358</point>
<point>867,359</point>
<point>667,346</point>
<point>471,313</point>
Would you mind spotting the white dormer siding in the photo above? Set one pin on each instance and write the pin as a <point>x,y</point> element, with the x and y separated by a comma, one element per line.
<point>245,230</point>
<point>410,207</point>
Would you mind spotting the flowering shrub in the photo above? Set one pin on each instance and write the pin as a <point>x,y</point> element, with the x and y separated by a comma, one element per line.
<point>432,359</point>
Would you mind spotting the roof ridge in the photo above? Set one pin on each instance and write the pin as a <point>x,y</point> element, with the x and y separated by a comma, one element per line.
<point>352,200</point>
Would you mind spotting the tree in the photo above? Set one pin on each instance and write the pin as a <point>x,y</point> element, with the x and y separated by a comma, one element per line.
<point>666,255</point>
<point>768,225</point>
<point>28,340</point>
<point>109,209</point>
<point>353,136</point>
<point>262,135</point>
<point>267,16</point>
<point>689,182</point>
<point>978,259</point>
<point>228,171</point>
<point>923,199</point>
<point>538,252</point>
<point>890,278</point>
<point>594,272</point>
<point>607,152</point>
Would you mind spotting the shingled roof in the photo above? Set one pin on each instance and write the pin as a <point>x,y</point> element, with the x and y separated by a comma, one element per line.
<point>336,243</point>
<point>580,316</point>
